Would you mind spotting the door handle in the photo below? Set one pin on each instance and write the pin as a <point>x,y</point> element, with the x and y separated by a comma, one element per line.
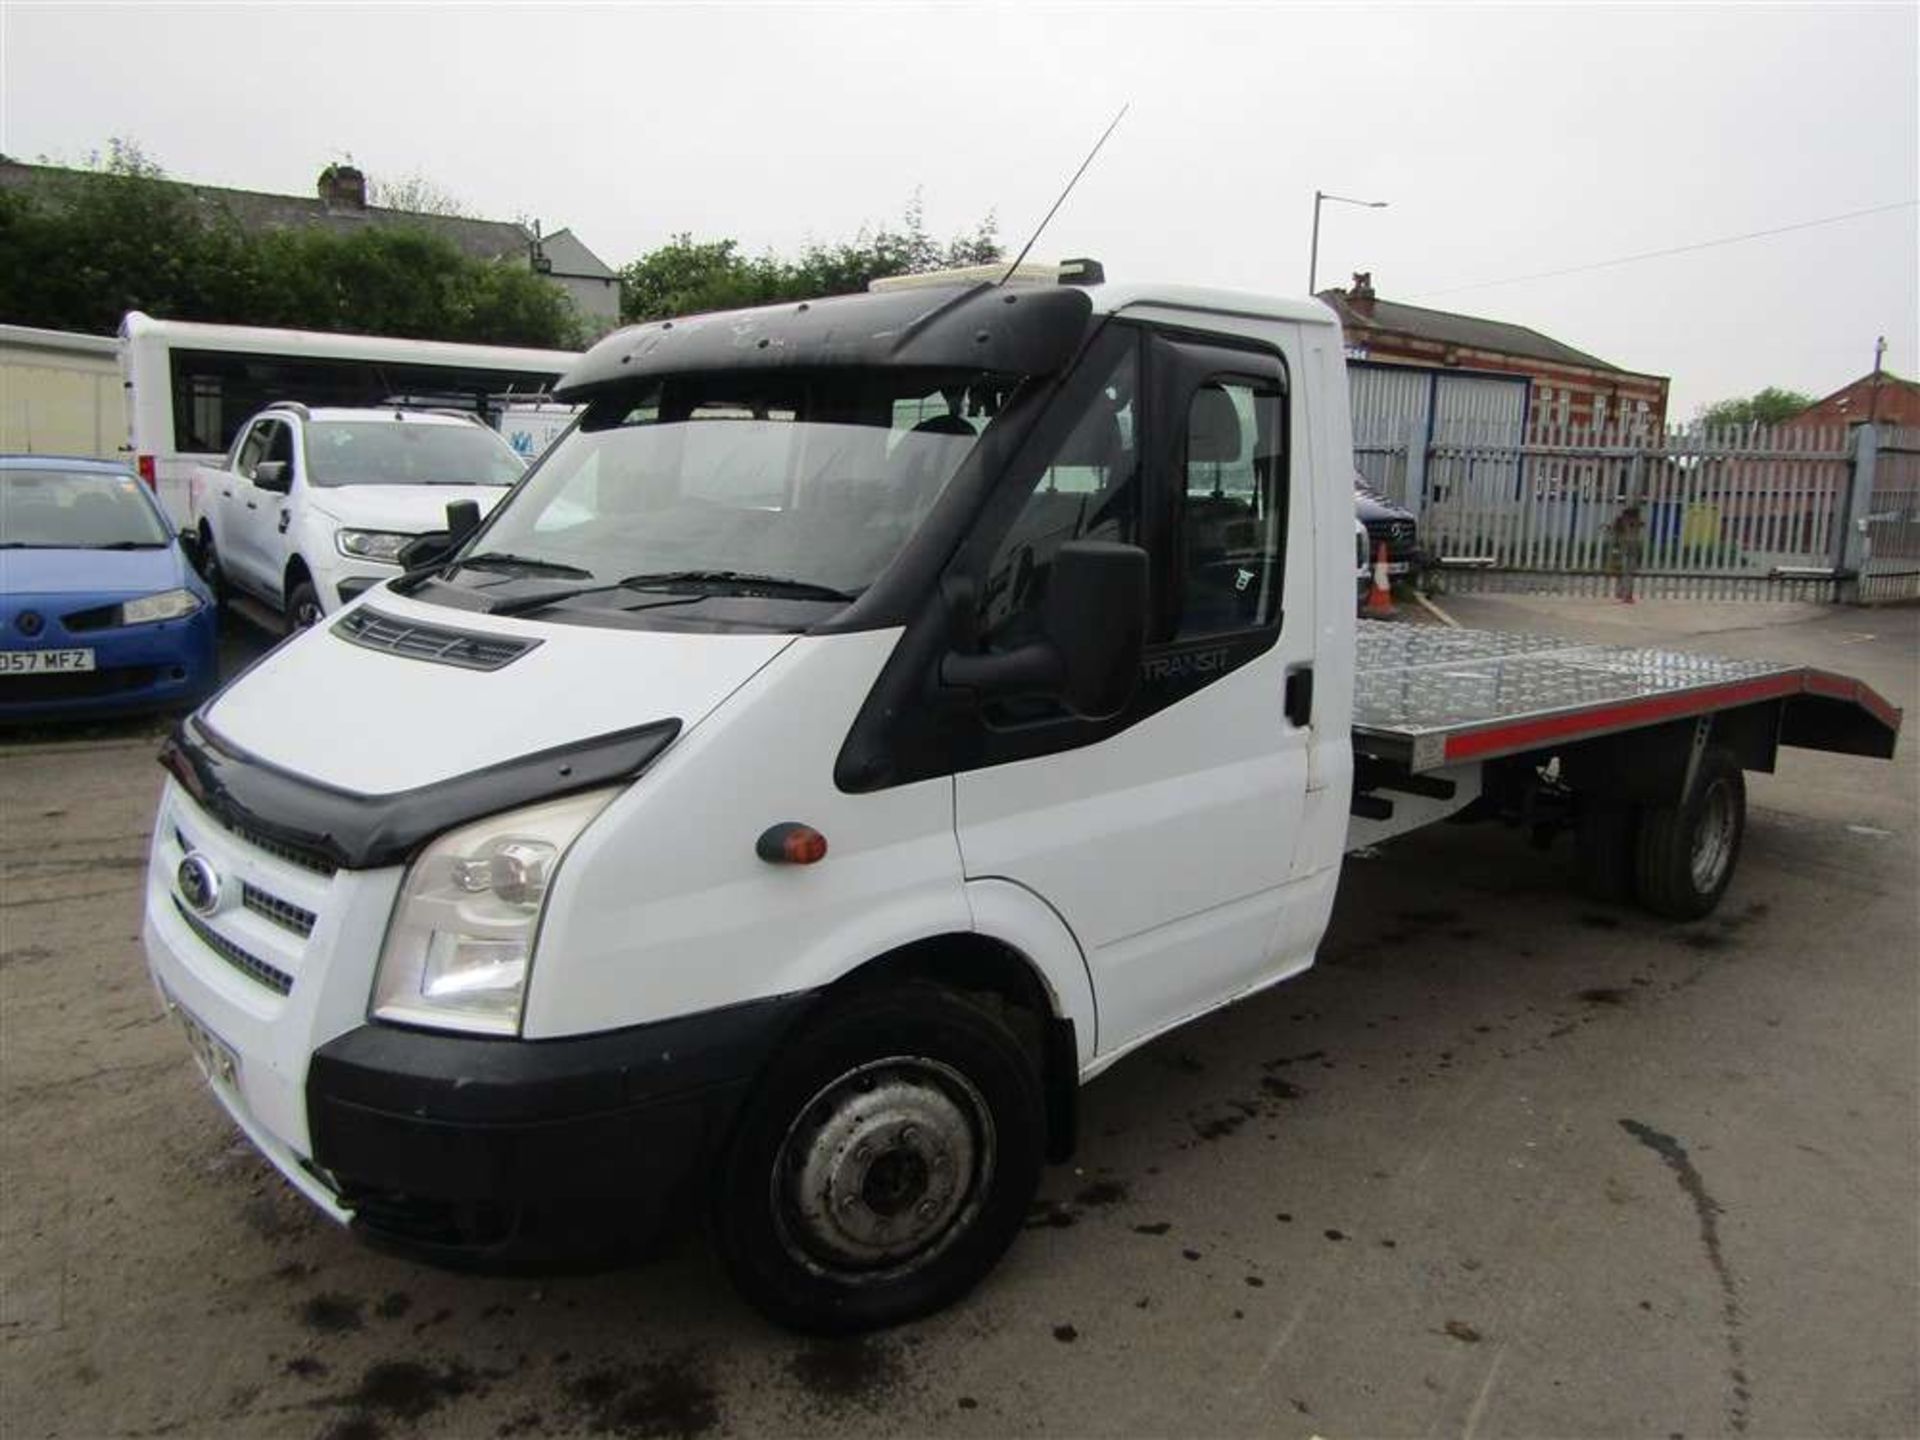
<point>1299,697</point>
<point>252,506</point>
<point>228,493</point>
<point>285,516</point>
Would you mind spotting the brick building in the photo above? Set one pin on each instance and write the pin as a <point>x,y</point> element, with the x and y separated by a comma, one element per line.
<point>1879,396</point>
<point>1565,386</point>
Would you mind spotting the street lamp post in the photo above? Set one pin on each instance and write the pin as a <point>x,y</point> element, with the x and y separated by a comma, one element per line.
<point>1313,262</point>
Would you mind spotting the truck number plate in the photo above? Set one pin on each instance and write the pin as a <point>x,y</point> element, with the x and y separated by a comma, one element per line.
<point>216,1057</point>
<point>44,662</point>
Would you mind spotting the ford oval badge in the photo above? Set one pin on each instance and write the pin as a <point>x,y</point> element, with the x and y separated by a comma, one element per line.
<point>199,883</point>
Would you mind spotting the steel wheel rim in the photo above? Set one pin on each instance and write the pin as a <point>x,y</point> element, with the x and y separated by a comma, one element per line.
<point>1713,838</point>
<point>883,1170</point>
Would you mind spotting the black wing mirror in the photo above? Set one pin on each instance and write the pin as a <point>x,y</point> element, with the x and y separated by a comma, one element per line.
<point>273,475</point>
<point>1093,626</point>
<point>195,552</point>
<point>423,551</point>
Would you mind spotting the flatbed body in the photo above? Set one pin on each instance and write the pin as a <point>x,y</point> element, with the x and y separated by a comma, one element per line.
<point>1428,697</point>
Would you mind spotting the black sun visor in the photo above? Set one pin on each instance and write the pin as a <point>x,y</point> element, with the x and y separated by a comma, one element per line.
<point>1022,330</point>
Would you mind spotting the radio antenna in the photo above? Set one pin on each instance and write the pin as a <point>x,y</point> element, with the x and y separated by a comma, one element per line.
<point>1063,195</point>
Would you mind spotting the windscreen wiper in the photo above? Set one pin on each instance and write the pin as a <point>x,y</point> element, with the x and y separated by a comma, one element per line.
<point>501,560</point>
<point>740,579</point>
<point>736,580</point>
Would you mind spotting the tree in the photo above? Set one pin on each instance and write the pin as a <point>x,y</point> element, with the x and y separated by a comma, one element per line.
<point>415,193</point>
<point>689,277</point>
<point>1765,407</point>
<point>90,245</point>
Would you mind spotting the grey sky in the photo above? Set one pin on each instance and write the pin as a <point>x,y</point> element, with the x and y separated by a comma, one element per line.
<point>1509,140</point>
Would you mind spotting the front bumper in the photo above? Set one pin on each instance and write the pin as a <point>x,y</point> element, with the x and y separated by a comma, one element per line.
<point>454,1148</point>
<point>461,1148</point>
<point>169,664</point>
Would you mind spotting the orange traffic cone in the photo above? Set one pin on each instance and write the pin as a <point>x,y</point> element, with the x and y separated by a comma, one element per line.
<point>1380,598</point>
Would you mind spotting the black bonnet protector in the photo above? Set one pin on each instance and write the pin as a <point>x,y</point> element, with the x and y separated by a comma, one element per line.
<point>1011,331</point>
<point>346,829</point>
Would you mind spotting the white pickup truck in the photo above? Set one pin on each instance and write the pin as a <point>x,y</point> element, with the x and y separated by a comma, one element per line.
<point>312,506</point>
<point>874,718</point>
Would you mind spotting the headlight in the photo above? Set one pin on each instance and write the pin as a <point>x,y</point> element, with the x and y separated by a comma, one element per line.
<point>462,935</point>
<point>167,605</point>
<point>381,545</point>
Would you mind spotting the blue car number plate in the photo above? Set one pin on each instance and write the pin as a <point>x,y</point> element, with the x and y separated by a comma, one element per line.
<point>44,662</point>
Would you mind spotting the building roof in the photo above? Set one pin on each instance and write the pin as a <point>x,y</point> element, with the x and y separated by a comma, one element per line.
<point>257,210</point>
<point>571,258</point>
<point>1446,328</point>
<point>1887,380</point>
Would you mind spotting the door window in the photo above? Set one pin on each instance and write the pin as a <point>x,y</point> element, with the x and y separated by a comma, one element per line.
<point>1232,515</point>
<point>280,447</point>
<point>1089,490</point>
<point>254,448</point>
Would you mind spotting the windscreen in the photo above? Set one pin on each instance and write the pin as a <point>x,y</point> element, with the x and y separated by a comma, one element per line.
<point>390,452</point>
<point>811,478</point>
<point>76,510</point>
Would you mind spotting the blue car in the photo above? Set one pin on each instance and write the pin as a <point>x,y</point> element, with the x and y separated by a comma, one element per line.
<point>101,611</point>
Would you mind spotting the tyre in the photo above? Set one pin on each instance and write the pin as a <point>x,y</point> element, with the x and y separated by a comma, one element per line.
<point>303,605</point>
<point>1685,854</point>
<point>884,1162</point>
<point>1605,837</point>
<point>210,567</point>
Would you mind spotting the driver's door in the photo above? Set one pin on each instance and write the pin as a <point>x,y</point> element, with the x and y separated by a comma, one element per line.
<point>1165,838</point>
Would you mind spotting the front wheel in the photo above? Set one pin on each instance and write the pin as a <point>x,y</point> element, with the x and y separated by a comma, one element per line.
<point>1685,854</point>
<point>884,1163</point>
<point>303,606</point>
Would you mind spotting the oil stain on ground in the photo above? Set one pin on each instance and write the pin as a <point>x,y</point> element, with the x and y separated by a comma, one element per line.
<point>1674,1156</point>
<point>332,1313</point>
<point>835,1374</point>
<point>1102,1192</point>
<point>397,1391</point>
<point>666,1398</point>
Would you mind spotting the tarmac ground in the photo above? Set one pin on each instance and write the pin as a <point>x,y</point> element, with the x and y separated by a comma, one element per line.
<point>1505,1163</point>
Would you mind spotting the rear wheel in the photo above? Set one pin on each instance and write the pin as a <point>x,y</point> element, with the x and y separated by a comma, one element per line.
<point>1685,854</point>
<point>884,1163</point>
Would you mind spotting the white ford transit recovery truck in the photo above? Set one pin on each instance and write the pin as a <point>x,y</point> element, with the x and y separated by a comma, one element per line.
<point>871,720</point>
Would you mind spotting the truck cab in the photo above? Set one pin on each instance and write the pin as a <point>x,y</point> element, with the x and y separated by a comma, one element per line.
<point>312,506</point>
<point>870,720</point>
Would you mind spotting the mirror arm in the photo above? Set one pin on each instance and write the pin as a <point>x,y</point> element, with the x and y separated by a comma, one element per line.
<point>1035,668</point>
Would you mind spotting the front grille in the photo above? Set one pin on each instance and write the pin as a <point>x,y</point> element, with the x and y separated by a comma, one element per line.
<point>80,685</point>
<point>287,916</point>
<point>1399,535</point>
<point>248,964</point>
<point>464,648</point>
<point>100,617</point>
<point>282,850</point>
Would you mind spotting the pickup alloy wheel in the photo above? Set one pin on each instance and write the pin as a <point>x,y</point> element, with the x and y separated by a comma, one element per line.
<point>303,606</point>
<point>884,1163</point>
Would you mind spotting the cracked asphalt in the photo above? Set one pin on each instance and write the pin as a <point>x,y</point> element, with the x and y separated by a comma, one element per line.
<point>1506,1163</point>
